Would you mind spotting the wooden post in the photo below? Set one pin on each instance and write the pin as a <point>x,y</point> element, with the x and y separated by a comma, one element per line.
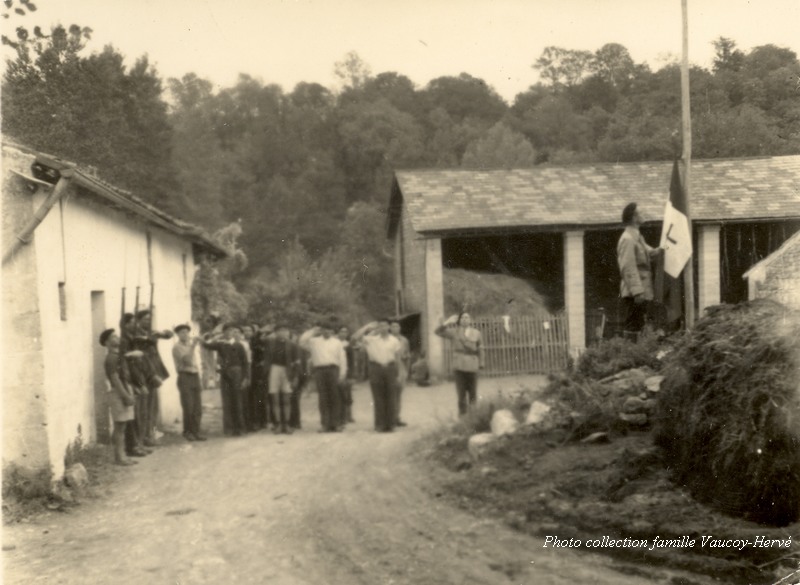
<point>686,126</point>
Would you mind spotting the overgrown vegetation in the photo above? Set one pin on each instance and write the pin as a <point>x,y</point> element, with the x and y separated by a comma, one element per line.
<point>729,411</point>
<point>610,356</point>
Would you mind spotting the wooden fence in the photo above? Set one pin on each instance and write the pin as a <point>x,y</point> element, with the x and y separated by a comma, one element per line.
<point>520,345</point>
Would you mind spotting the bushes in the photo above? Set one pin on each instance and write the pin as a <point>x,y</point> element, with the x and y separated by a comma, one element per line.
<point>728,416</point>
<point>615,355</point>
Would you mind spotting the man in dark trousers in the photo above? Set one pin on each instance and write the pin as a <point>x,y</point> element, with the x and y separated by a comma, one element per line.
<point>383,350</point>
<point>184,355</point>
<point>146,340</point>
<point>233,365</point>
<point>138,371</point>
<point>259,374</point>
<point>329,364</point>
<point>636,288</point>
<point>299,378</point>
<point>120,396</point>
<point>346,385</point>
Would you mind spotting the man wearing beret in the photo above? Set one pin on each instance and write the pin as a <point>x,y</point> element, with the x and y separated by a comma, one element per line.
<point>633,258</point>
<point>120,396</point>
<point>184,355</point>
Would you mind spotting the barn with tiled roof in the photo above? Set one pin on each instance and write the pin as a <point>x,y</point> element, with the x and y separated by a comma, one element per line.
<point>558,225</point>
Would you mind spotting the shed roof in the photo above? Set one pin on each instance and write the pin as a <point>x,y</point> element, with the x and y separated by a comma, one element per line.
<point>592,195</point>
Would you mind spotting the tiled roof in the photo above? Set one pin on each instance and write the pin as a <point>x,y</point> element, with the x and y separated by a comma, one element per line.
<point>122,199</point>
<point>594,195</point>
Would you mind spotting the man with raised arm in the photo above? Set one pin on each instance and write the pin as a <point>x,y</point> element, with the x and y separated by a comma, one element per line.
<point>384,354</point>
<point>329,364</point>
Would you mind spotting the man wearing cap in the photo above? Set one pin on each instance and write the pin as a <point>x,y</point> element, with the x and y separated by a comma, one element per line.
<point>329,364</point>
<point>233,365</point>
<point>120,396</point>
<point>383,350</point>
<point>184,355</point>
<point>633,259</point>
<point>147,340</point>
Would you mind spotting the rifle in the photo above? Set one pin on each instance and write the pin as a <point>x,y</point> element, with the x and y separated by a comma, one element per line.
<point>136,309</point>
<point>150,328</point>
<point>122,309</point>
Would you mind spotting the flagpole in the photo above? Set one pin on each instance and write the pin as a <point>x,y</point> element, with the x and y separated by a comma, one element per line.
<point>686,157</point>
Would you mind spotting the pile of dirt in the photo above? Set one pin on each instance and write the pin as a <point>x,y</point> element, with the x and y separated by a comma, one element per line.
<point>618,490</point>
<point>485,293</point>
<point>728,415</point>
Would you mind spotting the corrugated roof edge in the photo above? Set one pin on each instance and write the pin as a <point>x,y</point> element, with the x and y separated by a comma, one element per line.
<point>127,200</point>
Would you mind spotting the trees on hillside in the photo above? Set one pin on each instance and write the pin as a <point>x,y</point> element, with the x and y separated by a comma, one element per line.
<point>91,109</point>
<point>307,173</point>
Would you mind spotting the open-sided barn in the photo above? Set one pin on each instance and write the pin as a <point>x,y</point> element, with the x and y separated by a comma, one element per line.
<point>558,225</point>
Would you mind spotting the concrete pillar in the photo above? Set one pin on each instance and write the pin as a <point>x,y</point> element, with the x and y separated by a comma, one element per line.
<point>708,267</point>
<point>574,290</point>
<point>434,305</point>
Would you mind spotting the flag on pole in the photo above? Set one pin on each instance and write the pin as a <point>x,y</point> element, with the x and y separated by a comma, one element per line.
<point>676,237</point>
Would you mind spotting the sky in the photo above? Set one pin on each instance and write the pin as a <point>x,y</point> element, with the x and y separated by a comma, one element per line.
<point>289,41</point>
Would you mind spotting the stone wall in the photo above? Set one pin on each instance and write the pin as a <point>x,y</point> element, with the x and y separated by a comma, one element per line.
<point>780,278</point>
<point>24,399</point>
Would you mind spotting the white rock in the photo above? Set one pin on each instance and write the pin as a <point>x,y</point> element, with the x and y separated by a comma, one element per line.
<point>478,444</point>
<point>503,423</point>
<point>653,383</point>
<point>537,413</point>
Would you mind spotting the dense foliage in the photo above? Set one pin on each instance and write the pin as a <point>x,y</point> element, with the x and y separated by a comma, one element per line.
<point>308,171</point>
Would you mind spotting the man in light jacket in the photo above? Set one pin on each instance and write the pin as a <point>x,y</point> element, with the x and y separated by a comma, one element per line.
<point>633,257</point>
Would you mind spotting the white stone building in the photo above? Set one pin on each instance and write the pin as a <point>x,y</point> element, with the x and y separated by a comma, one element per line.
<point>71,243</point>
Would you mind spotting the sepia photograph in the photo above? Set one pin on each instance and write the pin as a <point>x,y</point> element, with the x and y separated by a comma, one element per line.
<point>400,293</point>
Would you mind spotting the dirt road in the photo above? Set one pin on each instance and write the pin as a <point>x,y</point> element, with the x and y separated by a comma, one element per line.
<point>311,508</point>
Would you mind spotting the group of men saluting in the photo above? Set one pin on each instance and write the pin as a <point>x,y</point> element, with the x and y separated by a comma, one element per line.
<point>262,373</point>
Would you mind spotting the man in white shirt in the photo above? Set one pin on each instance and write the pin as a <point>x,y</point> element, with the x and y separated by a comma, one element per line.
<point>329,364</point>
<point>383,351</point>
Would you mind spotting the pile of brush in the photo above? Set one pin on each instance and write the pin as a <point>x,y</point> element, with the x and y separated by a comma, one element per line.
<point>728,413</point>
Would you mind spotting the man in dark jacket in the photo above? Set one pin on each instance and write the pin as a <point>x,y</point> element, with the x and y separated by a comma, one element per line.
<point>233,366</point>
<point>146,340</point>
